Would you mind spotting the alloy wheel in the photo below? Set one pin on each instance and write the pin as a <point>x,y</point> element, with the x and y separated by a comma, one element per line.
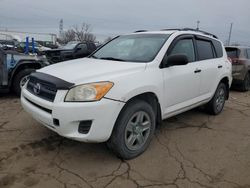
<point>220,100</point>
<point>23,81</point>
<point>137,130</point>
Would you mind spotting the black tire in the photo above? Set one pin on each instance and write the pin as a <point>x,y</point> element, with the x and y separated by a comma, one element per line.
<point>118,141</point>
<point>245,86</point>
<point>216,104</point>
<point>18,78</point>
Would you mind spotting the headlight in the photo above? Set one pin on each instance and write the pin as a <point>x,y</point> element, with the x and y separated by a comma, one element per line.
<point>88,92</point>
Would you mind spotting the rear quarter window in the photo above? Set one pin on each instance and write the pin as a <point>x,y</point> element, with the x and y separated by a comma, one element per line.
<point>218,48</point>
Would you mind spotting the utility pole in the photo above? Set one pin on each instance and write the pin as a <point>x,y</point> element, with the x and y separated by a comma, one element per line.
<point>230,33</point>
<point>61,28</point>
<point>198,25</point>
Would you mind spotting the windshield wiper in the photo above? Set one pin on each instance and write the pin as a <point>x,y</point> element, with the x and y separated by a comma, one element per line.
<point>112,59</point>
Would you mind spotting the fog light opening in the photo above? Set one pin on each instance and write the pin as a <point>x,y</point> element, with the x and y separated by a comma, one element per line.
<point>84,126</point>
<point>56,122</point>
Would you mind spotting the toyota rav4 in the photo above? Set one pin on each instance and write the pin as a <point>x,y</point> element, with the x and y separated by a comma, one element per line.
<point>121,92</point>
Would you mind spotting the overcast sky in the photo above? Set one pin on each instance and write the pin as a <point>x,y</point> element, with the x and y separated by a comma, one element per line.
<point>112,17</point>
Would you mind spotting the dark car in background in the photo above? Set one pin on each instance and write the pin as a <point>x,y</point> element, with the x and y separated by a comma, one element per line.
<point>72,50</point>
<point>240,57</point>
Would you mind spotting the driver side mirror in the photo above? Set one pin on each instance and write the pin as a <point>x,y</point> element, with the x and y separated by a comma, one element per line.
<point>174,60</point>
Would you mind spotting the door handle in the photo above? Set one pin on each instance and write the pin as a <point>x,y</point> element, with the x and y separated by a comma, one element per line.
<point>197,71</point>
<point>220,66</point>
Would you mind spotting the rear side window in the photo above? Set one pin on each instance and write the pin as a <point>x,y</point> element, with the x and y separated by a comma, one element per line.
<point>92,46</point>
<point>83,47</point>
<point>184,46</point>
<point>218,48</point>
<point>248,53</point>
<point>205,50</point>
<point>232,52</point>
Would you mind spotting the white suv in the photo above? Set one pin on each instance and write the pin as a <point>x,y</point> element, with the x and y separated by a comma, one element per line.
<point>123,90</point>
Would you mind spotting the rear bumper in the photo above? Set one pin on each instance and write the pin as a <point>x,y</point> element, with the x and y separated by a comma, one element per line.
<point>103,115</point>
<point>238,77</point>
<point>237,82</point>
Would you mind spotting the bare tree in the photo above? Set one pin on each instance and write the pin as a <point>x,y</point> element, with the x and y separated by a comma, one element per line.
<point>68,36</point>
<point>83,33</point>
<point>76,33</point>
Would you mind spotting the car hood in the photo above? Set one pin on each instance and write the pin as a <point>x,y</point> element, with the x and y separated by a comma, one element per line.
<point>42,48</point>
<point>88,70</point>
<point>59,50</point>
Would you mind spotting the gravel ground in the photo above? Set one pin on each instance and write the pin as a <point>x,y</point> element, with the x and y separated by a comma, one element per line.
<point>189,150</point>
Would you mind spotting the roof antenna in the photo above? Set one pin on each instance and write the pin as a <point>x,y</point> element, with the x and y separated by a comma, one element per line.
<point>198,24</point>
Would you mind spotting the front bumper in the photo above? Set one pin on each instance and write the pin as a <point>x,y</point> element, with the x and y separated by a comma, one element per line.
<point>103,115</point>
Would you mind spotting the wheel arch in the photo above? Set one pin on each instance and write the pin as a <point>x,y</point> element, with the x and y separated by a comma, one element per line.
<point>24,65</point>
<point>152,99</point>
<point>226,81</point>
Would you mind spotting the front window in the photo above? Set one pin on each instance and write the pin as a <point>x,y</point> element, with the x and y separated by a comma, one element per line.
<point>186,47</point>
<point>132,48</point>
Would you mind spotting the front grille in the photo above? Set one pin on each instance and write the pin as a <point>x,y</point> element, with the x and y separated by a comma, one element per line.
<point>42,89</point>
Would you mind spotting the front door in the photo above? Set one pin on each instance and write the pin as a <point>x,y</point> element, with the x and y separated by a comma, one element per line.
<point>181,82</point>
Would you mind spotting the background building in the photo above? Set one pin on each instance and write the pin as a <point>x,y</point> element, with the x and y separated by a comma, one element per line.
<point>39,37</point>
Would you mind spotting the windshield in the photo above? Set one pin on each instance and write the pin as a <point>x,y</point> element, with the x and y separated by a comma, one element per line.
<point>133,48</point>
<point>69,46</point>
<point>232,52</point>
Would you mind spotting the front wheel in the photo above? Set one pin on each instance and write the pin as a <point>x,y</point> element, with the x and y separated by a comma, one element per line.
<point>133,130</point>
<point>216,104</point>
<point>20,79</point>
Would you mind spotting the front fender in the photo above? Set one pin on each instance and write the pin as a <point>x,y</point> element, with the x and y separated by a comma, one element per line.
<point>22,65</point>
<point>128,87</point>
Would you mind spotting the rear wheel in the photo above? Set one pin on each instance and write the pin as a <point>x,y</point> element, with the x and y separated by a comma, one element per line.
<point>133,130</point>
<point>20,79</point>
<point>216,104</point>
<point>246,83</point>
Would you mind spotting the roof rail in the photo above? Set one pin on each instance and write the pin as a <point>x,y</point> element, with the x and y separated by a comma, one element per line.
<point>140,31</point>
<point>191,29</point>
<point>183,29</point>
<point>170,29</point>
<point>196,30</point>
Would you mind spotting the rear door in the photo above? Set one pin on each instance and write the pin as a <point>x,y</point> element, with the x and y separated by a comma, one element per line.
<point>208,64</point>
